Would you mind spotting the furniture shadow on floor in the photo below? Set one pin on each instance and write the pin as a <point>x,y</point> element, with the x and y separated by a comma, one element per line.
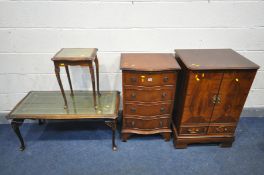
<point>69,130</point>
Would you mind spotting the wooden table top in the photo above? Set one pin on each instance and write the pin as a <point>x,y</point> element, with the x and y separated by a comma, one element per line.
<point>75,54</point>
<point>213,59</point>
<point>148,62</point>
<point>50,105</point>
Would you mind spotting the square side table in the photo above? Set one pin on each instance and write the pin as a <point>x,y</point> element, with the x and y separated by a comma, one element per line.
<point>76,57</point>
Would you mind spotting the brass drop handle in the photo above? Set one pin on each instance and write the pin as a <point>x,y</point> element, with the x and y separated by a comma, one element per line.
<point>161,124</point>
<point>193,130</point>
<point>133,95</point>
<point>133,109</point>
<point>162,109</point>
<point>218,100</point>
<point>133,79</point>
<point>221,129</point>
<point>214,98</point>
<point>164,94</point>
<point>165,79</point>
<point>133,123</point>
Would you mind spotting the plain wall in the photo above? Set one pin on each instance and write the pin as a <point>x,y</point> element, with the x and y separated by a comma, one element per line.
<point>31,32</point>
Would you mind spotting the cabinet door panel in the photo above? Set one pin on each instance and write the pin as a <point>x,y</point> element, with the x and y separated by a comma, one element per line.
<point>232,96</point>
<point>198,105</point>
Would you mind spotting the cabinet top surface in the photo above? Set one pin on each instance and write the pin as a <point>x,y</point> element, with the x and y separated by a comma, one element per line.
<point>210,59</point>
<point>148,62</point>
<point>75,54</point>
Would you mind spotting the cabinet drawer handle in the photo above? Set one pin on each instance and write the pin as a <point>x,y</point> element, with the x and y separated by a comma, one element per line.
<point>133,109</point>
<point>164,94</point>
<point>218,99</point>
<point>162,109</point>
<point>193,130</point>
<point>133,95</point>
<point>133,79</point>
<point>161,124</point>
<point>165,79</point>
<point>133,123</point>
<point>221,129</point>
<point>214,98</point>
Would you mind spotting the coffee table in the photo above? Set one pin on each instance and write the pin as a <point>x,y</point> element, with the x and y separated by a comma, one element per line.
<point>48,105</point>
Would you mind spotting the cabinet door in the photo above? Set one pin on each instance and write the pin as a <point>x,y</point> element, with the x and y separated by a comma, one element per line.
<point>202,88</point>
<point>232,96</point>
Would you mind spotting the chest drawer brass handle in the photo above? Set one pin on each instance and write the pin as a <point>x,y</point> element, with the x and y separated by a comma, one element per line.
<point>133,123</point>
<point>133,79</point>
<point>218,100</point>
<point>165,79</point>
<point>193,131</point>
<point>133,110</point>
<point>214,98</point>
<point>164,94</point>
<point>161,124</point>
<point>133,95</point>
<point>162,109</point>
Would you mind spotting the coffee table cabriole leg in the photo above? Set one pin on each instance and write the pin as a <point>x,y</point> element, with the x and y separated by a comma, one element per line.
<point>57,72</point>
<point>90,64</point>
<point>97,74</point>
<point>69,78</point>
<point>112,125</point>
<point>41,121</point>
<point>15,125</point>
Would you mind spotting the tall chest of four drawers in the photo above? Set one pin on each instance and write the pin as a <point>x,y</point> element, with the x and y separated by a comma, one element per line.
<point>149,86</point>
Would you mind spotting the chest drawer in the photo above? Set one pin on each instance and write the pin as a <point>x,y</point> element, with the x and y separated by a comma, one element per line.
<point>147,109</point>
<point>149,78</point>
<point>149,94</point>
<point>147,124</point>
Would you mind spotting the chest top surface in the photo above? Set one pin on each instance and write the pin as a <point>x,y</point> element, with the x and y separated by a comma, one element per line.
<point>148,62</point>
<point>211,59</point>
<point>75,54</point>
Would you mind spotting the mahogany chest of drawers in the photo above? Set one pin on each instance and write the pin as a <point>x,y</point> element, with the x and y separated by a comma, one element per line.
<point>149,83</point>
<point>213,87</point>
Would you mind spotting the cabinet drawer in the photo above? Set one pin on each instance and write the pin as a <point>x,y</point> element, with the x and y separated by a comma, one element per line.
<point>147,124</point>
<point>221,129</point>
<point>149,94</point>
<point>149,79</point>
<point>147,109</point>
<point>193,130</point>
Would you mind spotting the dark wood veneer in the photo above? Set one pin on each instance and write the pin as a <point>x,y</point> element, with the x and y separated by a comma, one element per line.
<point>212,95</point>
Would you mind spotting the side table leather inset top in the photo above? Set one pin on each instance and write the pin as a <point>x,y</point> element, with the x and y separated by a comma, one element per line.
<point>77,57</point>
<point>149,82</point>
<point>214,85</point>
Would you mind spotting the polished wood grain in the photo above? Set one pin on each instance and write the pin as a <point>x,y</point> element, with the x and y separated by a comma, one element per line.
<point>214,85</point>
<point>149,83</point>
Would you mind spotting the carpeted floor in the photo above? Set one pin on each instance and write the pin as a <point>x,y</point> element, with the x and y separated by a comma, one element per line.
<point>73,148</point>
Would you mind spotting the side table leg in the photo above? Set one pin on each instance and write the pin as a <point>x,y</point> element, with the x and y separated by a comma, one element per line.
<point>97,74</point>
<point>57,72</point>
<point>15,125</point>
<point>112,125</point>
<point>69,78</point>
<point>90,64</point>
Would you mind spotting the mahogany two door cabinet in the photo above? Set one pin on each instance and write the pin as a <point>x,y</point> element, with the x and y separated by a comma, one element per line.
<point>149,84</point>
<point>213,87</point>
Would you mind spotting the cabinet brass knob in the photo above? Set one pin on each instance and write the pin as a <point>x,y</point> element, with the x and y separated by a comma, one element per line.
<point>162,109</point>
<point>193,130</point>
<point>237,80</point>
